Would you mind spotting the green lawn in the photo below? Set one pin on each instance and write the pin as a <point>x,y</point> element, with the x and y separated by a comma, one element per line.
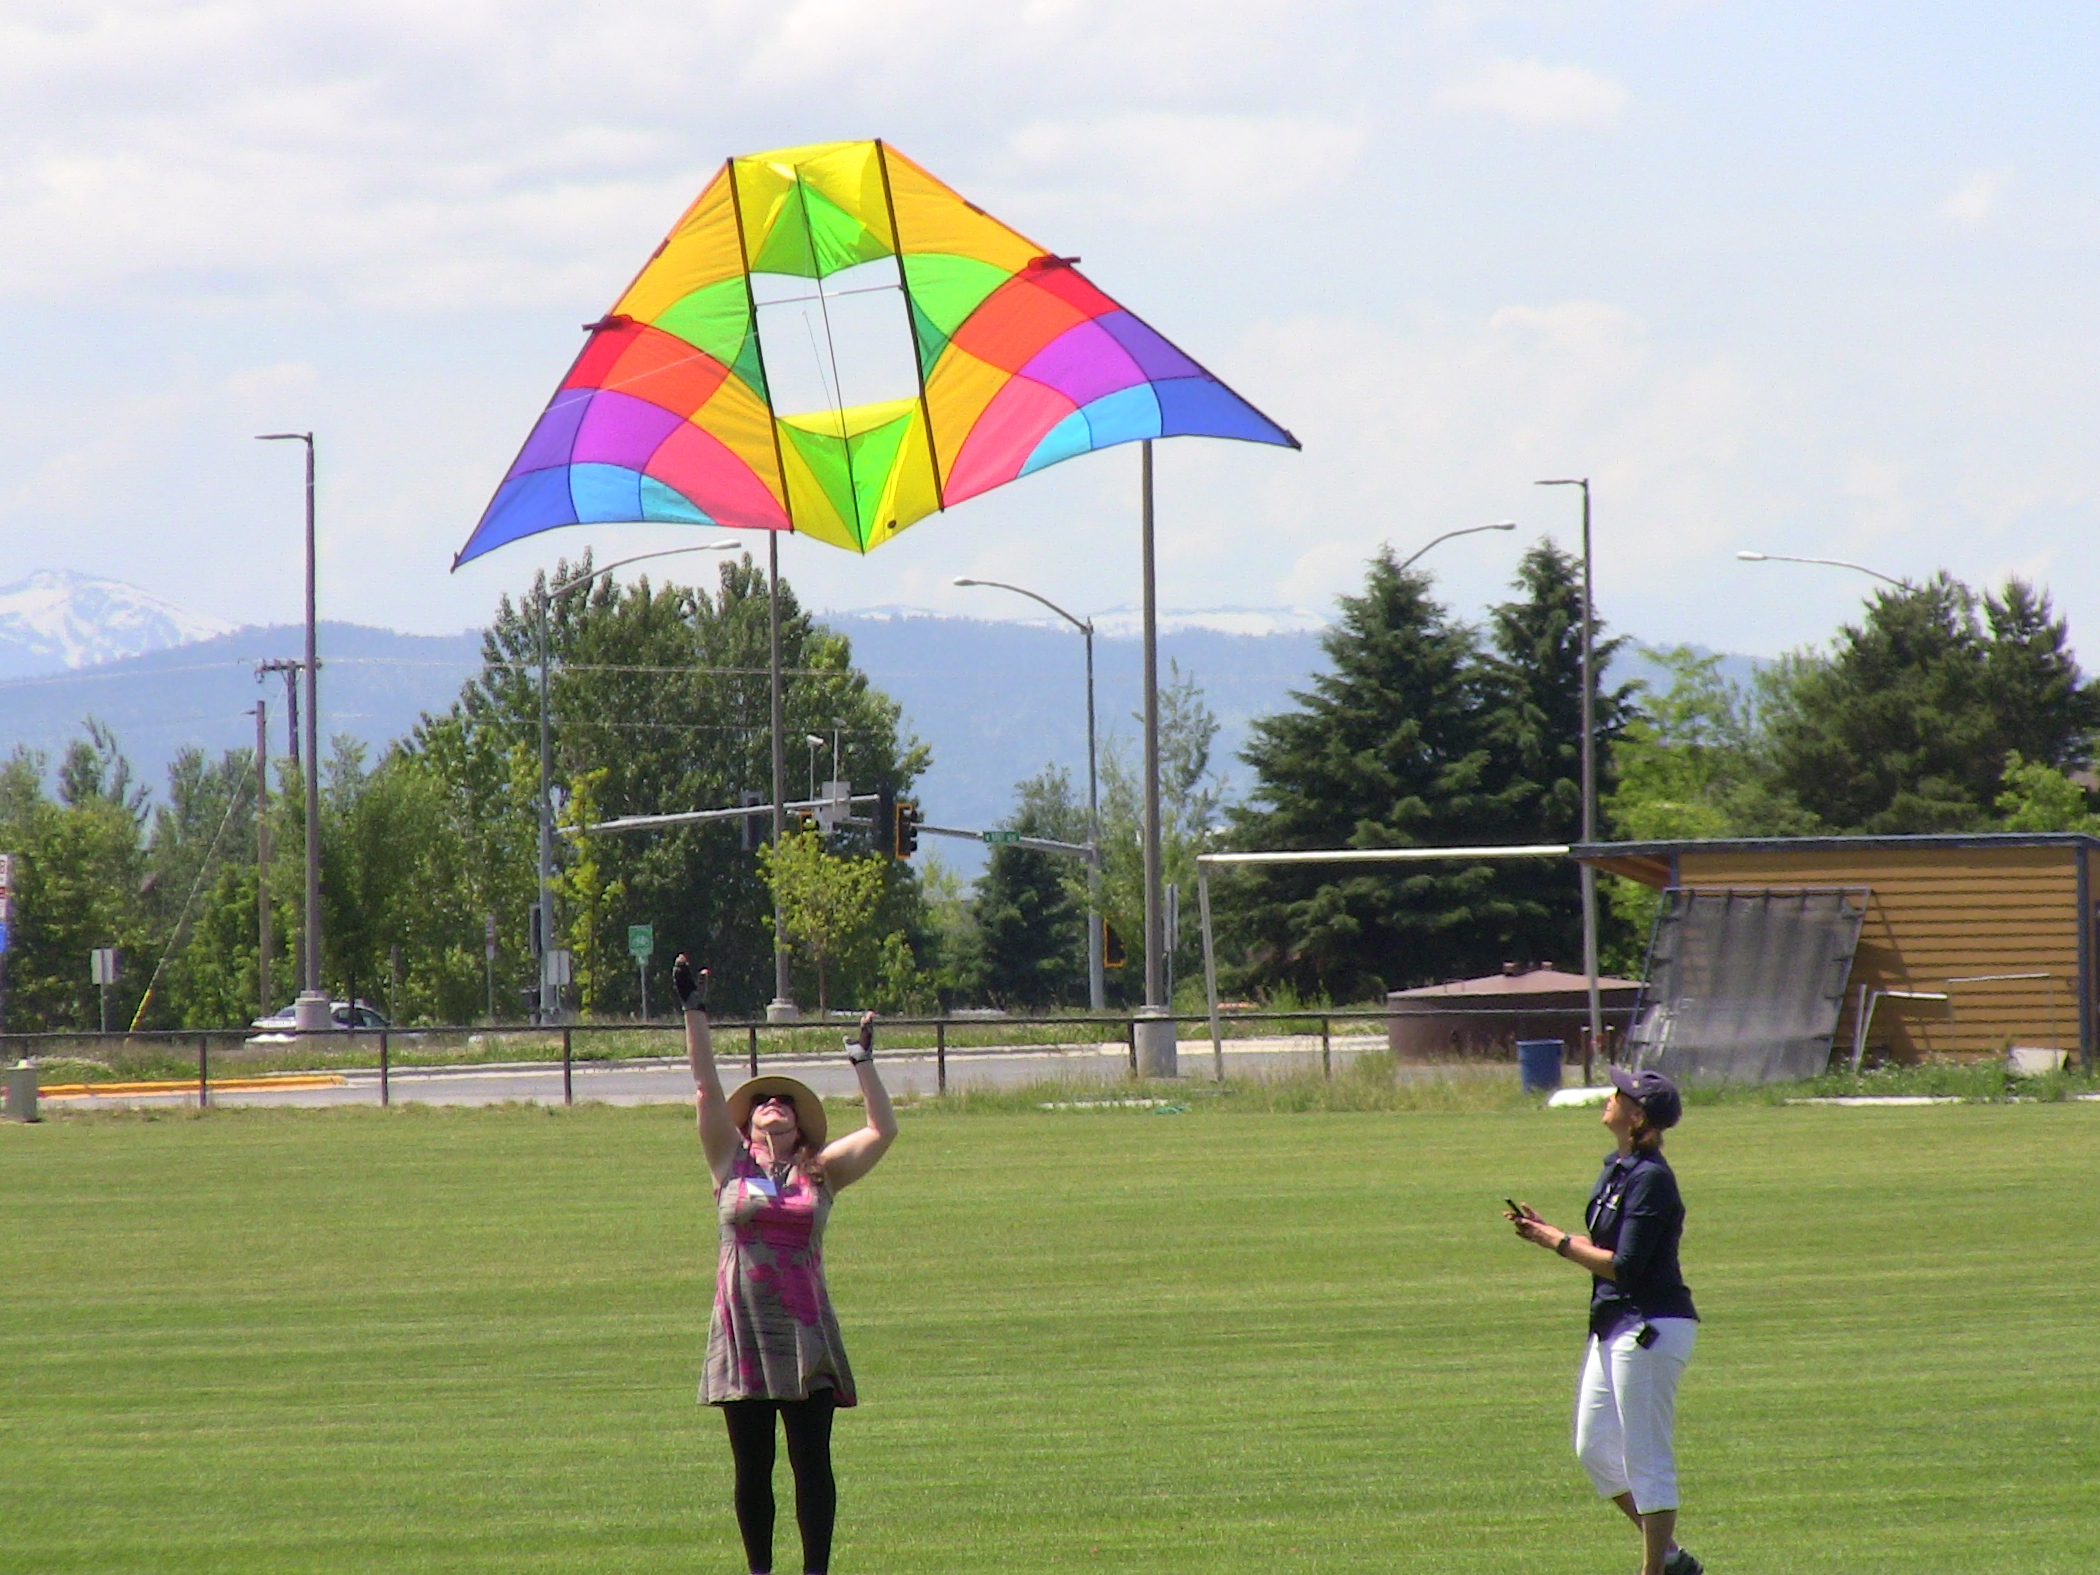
<point>417,1340</point>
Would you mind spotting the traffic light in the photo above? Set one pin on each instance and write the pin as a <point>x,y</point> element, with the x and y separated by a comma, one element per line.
<point>754,826</point>
<point>885,825</point>
<point>907,828</point>
<point>1112,953</point>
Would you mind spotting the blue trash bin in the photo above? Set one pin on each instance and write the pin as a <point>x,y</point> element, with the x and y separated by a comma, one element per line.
<point>1538,1064</point>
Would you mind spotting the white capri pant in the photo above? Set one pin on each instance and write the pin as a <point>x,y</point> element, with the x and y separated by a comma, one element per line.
<point>1626,1409</point>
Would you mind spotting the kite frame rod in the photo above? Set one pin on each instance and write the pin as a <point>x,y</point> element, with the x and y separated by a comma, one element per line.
<point>911,327</point>
<point>1204,861</point>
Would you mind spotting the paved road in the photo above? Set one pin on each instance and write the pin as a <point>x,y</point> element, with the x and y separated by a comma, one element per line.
<point>665,1081</point>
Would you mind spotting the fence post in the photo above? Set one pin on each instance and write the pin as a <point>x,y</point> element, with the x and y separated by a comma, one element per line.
<point>1326,1048</point>
<point>940,1056</point>
<point>568,1087</point>
<point>203,1071</point>
<point>1132,1025</point>
<point>386,1095</point>
<point>753,1031</point>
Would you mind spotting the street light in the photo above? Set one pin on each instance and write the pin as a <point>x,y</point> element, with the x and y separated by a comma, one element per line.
<point>547,594</point>
<point>1589,763</point>
<point>1468,530</point>
<point>1096,979</point>
<point>815,743</point>
<point>308,1017</point>
<point>1828,563</point>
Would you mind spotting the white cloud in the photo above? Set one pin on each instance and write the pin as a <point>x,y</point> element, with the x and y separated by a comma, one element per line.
<point>1181,168</point>
<point>1533,93</point>
<point>1974,200</point>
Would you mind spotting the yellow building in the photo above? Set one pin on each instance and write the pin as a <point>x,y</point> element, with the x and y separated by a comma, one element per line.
<point>1968,944</point>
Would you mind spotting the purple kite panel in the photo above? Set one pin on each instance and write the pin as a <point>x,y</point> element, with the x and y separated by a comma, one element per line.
<point>1083,363</point>
<point>1152,353</point>
<point>622,430</point>
<point>555,435</point>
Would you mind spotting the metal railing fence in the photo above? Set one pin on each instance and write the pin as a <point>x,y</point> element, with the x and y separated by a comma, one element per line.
<point>179,1060</point>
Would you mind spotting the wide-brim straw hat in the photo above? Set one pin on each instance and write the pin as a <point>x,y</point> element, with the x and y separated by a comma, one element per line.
<point>809,1110</point>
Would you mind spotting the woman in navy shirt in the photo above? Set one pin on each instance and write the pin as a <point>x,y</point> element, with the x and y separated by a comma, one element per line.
<point>1642,1323</point>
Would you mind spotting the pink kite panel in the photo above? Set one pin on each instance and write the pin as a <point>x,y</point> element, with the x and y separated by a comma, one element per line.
<point>1005,435</point>
<point>699,465</point>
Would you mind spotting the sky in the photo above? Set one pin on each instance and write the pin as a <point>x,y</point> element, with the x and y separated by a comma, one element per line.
<point>1795,277</point>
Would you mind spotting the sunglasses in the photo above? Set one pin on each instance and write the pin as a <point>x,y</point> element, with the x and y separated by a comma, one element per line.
<point>774,1099</point>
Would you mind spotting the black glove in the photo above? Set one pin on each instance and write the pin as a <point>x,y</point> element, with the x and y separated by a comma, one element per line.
<point>862,1050</point>
<point>691,988</point>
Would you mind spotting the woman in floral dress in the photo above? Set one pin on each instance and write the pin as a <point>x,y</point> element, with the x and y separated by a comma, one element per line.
<point>773,1346</point>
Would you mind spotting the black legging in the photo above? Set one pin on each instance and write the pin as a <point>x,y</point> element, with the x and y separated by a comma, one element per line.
<point>808,1424</point>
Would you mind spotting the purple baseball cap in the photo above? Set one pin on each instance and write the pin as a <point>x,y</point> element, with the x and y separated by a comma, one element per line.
<point>1655,1094</point>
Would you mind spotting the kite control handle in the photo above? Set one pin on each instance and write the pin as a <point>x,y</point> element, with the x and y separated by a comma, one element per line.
<point>691,988</point>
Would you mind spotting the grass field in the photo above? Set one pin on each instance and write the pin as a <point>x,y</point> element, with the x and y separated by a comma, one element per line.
<point>1092,1341</point>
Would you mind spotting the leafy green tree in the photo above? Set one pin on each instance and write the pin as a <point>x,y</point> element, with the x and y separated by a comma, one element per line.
<point>1191,803</point>
<point>664,689</point>
<point>2042,798</point>
<point>826,901</point>
<point>1030,927</point>
<point>587,892</point>
<point>80,866</point>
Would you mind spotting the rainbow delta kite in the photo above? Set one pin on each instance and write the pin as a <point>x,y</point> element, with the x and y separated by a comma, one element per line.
<point>667,415</point>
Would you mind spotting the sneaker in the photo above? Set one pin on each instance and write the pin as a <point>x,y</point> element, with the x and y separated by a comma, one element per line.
<point>1682,1563</point>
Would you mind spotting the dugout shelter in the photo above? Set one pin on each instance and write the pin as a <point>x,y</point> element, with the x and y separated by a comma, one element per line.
<point>1809,949</point>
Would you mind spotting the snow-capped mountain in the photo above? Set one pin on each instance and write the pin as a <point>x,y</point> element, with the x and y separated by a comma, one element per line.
<point>57,619</point>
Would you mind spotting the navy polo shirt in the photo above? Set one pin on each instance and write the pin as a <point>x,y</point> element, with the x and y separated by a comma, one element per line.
<point>1636,1214</point>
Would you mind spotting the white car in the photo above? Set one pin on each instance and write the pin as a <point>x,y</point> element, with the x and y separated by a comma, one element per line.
<point>280,1025</point>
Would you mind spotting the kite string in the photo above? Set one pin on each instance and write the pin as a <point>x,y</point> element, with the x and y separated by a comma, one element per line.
<point>233,802</point>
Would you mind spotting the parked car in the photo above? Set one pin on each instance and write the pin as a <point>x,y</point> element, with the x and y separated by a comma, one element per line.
<point>283,1022</point>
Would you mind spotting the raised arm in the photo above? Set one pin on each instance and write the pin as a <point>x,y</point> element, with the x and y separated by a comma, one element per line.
<point>847,1159</point>
<point>718,1135</point>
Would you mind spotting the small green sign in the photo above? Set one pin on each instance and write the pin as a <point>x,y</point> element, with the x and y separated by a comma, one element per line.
<point>641,941</point>
<point>1002,836</point>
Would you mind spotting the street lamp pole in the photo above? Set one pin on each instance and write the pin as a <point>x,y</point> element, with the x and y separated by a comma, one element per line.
<point>311,981</point>
<point>1828,563</point>
<point>1589,766</point>
<point>1466,530</point>
<point>545,905</point>
<point>1096,978</point>
<point>781,1009</point>
<point>1157,1051</point>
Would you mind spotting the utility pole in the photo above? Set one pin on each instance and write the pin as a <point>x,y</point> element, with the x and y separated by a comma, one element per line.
<point>291,671</point>
<point>314,1010</point>
<point>1589,766</point>
<point>262,855</point>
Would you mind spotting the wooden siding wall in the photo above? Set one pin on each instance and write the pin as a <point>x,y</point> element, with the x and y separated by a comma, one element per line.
<point>1936,915</point>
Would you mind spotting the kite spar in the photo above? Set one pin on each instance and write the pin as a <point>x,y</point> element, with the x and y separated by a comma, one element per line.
<point>669,416</point>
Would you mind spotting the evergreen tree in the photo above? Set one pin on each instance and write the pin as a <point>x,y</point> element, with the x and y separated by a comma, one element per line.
<point>1030,930</point>
<point>1907,724</point>
<point>1532,728</point>
<point>1387,749</point>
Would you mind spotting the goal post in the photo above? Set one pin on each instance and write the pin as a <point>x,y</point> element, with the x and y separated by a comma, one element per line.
<point>1205,861</point>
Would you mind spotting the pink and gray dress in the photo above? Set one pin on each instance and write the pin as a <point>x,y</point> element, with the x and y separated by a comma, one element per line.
<point>773,1335</point>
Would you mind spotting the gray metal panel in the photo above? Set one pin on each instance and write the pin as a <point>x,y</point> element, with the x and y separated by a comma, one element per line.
<point>1746,986</point>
